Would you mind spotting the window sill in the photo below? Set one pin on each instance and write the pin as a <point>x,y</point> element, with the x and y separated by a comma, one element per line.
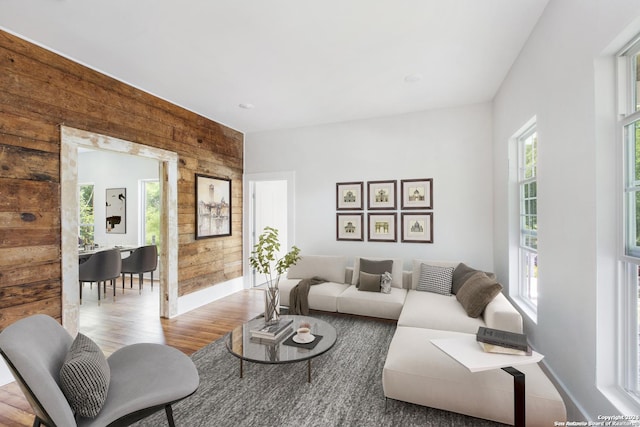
<point>621,400</point>
<point>526,308</point>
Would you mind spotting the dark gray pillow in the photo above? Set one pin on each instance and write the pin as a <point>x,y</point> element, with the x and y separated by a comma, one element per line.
<point>478,291</point>
<point>369,282</point>
<point>374,267</point>
<point>84,377</point>
<point>460,275</point>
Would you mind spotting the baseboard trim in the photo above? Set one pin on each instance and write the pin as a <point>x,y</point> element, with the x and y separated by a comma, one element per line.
<point>575,411</point>
<point>205,296</point>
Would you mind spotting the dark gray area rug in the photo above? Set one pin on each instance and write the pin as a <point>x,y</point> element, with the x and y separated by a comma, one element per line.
<point>346,388</point>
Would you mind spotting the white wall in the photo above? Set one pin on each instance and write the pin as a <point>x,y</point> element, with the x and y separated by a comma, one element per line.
<point>112,170</point>
<point>452,146</point>
<point>565,77</point>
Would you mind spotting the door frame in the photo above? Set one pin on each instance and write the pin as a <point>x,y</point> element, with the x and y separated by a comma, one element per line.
<point>70,140</point>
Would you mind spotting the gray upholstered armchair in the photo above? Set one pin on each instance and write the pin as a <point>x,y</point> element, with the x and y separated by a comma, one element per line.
<point>142,378</point>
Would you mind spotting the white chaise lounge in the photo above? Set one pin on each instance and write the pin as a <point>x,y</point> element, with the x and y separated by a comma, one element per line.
<point>415,370</point>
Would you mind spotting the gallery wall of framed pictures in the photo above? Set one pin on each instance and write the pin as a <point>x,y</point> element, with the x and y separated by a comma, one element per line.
<point>381,220</point>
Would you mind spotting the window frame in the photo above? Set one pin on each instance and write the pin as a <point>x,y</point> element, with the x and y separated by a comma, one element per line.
<point>630,183</point>
<point>142,219</point>
<point>526,253</point>
<point>628,352</point>
<point>80,223</point>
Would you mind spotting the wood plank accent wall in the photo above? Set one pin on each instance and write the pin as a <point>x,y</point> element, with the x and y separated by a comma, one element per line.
<point>39,91</point>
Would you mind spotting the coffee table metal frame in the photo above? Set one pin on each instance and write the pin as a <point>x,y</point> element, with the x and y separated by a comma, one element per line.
<point>240,344</point>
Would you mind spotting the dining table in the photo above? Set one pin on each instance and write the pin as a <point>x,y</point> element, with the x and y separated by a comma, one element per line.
<point>84,254</point>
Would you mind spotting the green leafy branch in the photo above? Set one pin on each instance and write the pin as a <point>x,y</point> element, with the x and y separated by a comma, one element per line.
<point>263,258</point>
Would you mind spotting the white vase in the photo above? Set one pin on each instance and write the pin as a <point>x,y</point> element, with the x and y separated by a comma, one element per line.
<point>271,305</point>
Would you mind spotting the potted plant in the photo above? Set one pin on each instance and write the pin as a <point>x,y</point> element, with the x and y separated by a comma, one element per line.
<point>263,260</point>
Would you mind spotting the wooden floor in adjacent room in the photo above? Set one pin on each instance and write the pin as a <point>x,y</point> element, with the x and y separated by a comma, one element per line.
<point>134,318</point>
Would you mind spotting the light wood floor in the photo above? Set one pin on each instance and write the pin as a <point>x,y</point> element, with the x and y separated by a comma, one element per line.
<point>134,318</point>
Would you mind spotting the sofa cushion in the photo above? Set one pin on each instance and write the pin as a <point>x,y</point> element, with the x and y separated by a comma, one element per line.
<point>374,304</point>
<point>460,275</point>
<point>321,297</point>
<point>435,278</point>
<point>434,311</point>
<point>478,291</point>
<point>373,267</point>
<point>163,374</point>
<point>396,271</point>
<point>417,263</point>
<point>330,268</point>
<point>369,282</point>
<point>85,376</point>
<point>501,314</point>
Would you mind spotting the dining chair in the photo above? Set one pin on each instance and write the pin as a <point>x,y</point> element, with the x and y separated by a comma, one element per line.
<point>142,260</point>
<point>37,348</point>
<point>100,267</point>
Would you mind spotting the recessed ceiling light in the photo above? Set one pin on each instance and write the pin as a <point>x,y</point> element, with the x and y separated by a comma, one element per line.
<point>247,106</point>
<point>412,78</point>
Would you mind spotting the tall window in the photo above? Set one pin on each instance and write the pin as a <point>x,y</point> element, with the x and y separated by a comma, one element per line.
<point>150,212</point>
<point>629,128</point>
<point>85,216</point>
<point>528,191</point>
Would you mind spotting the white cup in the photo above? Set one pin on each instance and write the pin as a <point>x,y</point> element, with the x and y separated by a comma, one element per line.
<point>304,334</point>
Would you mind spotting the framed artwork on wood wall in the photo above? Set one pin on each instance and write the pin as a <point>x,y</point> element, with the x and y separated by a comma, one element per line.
<point>349,196</point>
<point>381,195</point>
<point>116,210</point>
<point>213,206</point>
<point>417,227</point>
<point>382,227</point>
<point>417,193</point>
<point>349,226</point>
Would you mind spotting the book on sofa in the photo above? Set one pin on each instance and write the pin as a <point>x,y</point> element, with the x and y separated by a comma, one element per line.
<point>492,348</point>
<point>491,338</point>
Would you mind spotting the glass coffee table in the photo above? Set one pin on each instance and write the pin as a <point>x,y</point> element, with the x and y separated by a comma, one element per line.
<point>242,345</point>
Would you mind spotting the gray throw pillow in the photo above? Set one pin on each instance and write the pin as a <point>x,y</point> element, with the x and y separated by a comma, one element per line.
<point>460,275</point>
<point>434,278</point>
<point>374,267</point>
<point>369,282</point>
<point>478,291</point>
<point>85,376</point>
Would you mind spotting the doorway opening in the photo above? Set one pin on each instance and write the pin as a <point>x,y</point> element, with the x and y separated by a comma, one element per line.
<point>270,198</point>
<point>73,139</point>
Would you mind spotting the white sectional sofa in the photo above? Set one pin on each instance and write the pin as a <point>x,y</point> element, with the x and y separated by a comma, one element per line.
<point>415,370</point>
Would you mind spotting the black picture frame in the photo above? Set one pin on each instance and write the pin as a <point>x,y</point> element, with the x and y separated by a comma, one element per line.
<point>382,227</point>
<point>213,206</point>
<point>381,195</point>
<point>350,226</point>
<point>416,193</point>
<point>350,196</point>
<point>417,227</point>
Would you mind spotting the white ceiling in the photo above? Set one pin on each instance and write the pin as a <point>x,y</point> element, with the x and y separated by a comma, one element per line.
<point>299,62</point>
